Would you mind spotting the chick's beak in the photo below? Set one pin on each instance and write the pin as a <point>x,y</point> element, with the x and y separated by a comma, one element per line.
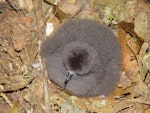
<point>69,75</point>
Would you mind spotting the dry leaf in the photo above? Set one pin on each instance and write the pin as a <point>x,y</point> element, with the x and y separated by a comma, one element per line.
<point>141,24</point>
<point>142,91</point>
<point>13,83</point>
<point>125,81</point>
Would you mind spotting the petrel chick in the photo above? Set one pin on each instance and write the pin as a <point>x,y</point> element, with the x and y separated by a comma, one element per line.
<point>83,57</point>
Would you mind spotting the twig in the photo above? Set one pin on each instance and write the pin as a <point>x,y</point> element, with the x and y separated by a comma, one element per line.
<point>6,99</point>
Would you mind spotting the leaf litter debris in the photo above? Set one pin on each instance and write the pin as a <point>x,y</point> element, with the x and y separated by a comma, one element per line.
<point>26,89</point>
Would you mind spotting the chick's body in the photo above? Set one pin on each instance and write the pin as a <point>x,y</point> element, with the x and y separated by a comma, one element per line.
<point>87,49</point>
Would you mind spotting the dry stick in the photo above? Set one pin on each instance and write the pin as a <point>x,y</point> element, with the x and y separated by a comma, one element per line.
<point>35,13</point>
<point>46,95</point>
<point>6,99</point>
<point>135,55</point>
<point>45,86</point>
<point>45,80</point>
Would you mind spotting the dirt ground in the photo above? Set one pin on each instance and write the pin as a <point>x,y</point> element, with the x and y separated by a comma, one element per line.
<point>24,24</point>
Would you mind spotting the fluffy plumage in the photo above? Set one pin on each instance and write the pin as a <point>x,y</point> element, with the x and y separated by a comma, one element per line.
<point>83,57</point>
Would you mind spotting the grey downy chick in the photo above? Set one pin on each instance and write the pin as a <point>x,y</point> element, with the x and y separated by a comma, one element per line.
<point>83,57</point>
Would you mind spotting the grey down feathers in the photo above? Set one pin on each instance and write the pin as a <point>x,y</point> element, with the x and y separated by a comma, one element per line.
<point>83,57</point>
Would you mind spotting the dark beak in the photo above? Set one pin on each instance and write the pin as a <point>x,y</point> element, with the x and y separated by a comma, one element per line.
<point>69,76</point>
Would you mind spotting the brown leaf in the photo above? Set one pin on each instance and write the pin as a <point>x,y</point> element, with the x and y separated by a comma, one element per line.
<point>125,81</point>
<point>129,49</point>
